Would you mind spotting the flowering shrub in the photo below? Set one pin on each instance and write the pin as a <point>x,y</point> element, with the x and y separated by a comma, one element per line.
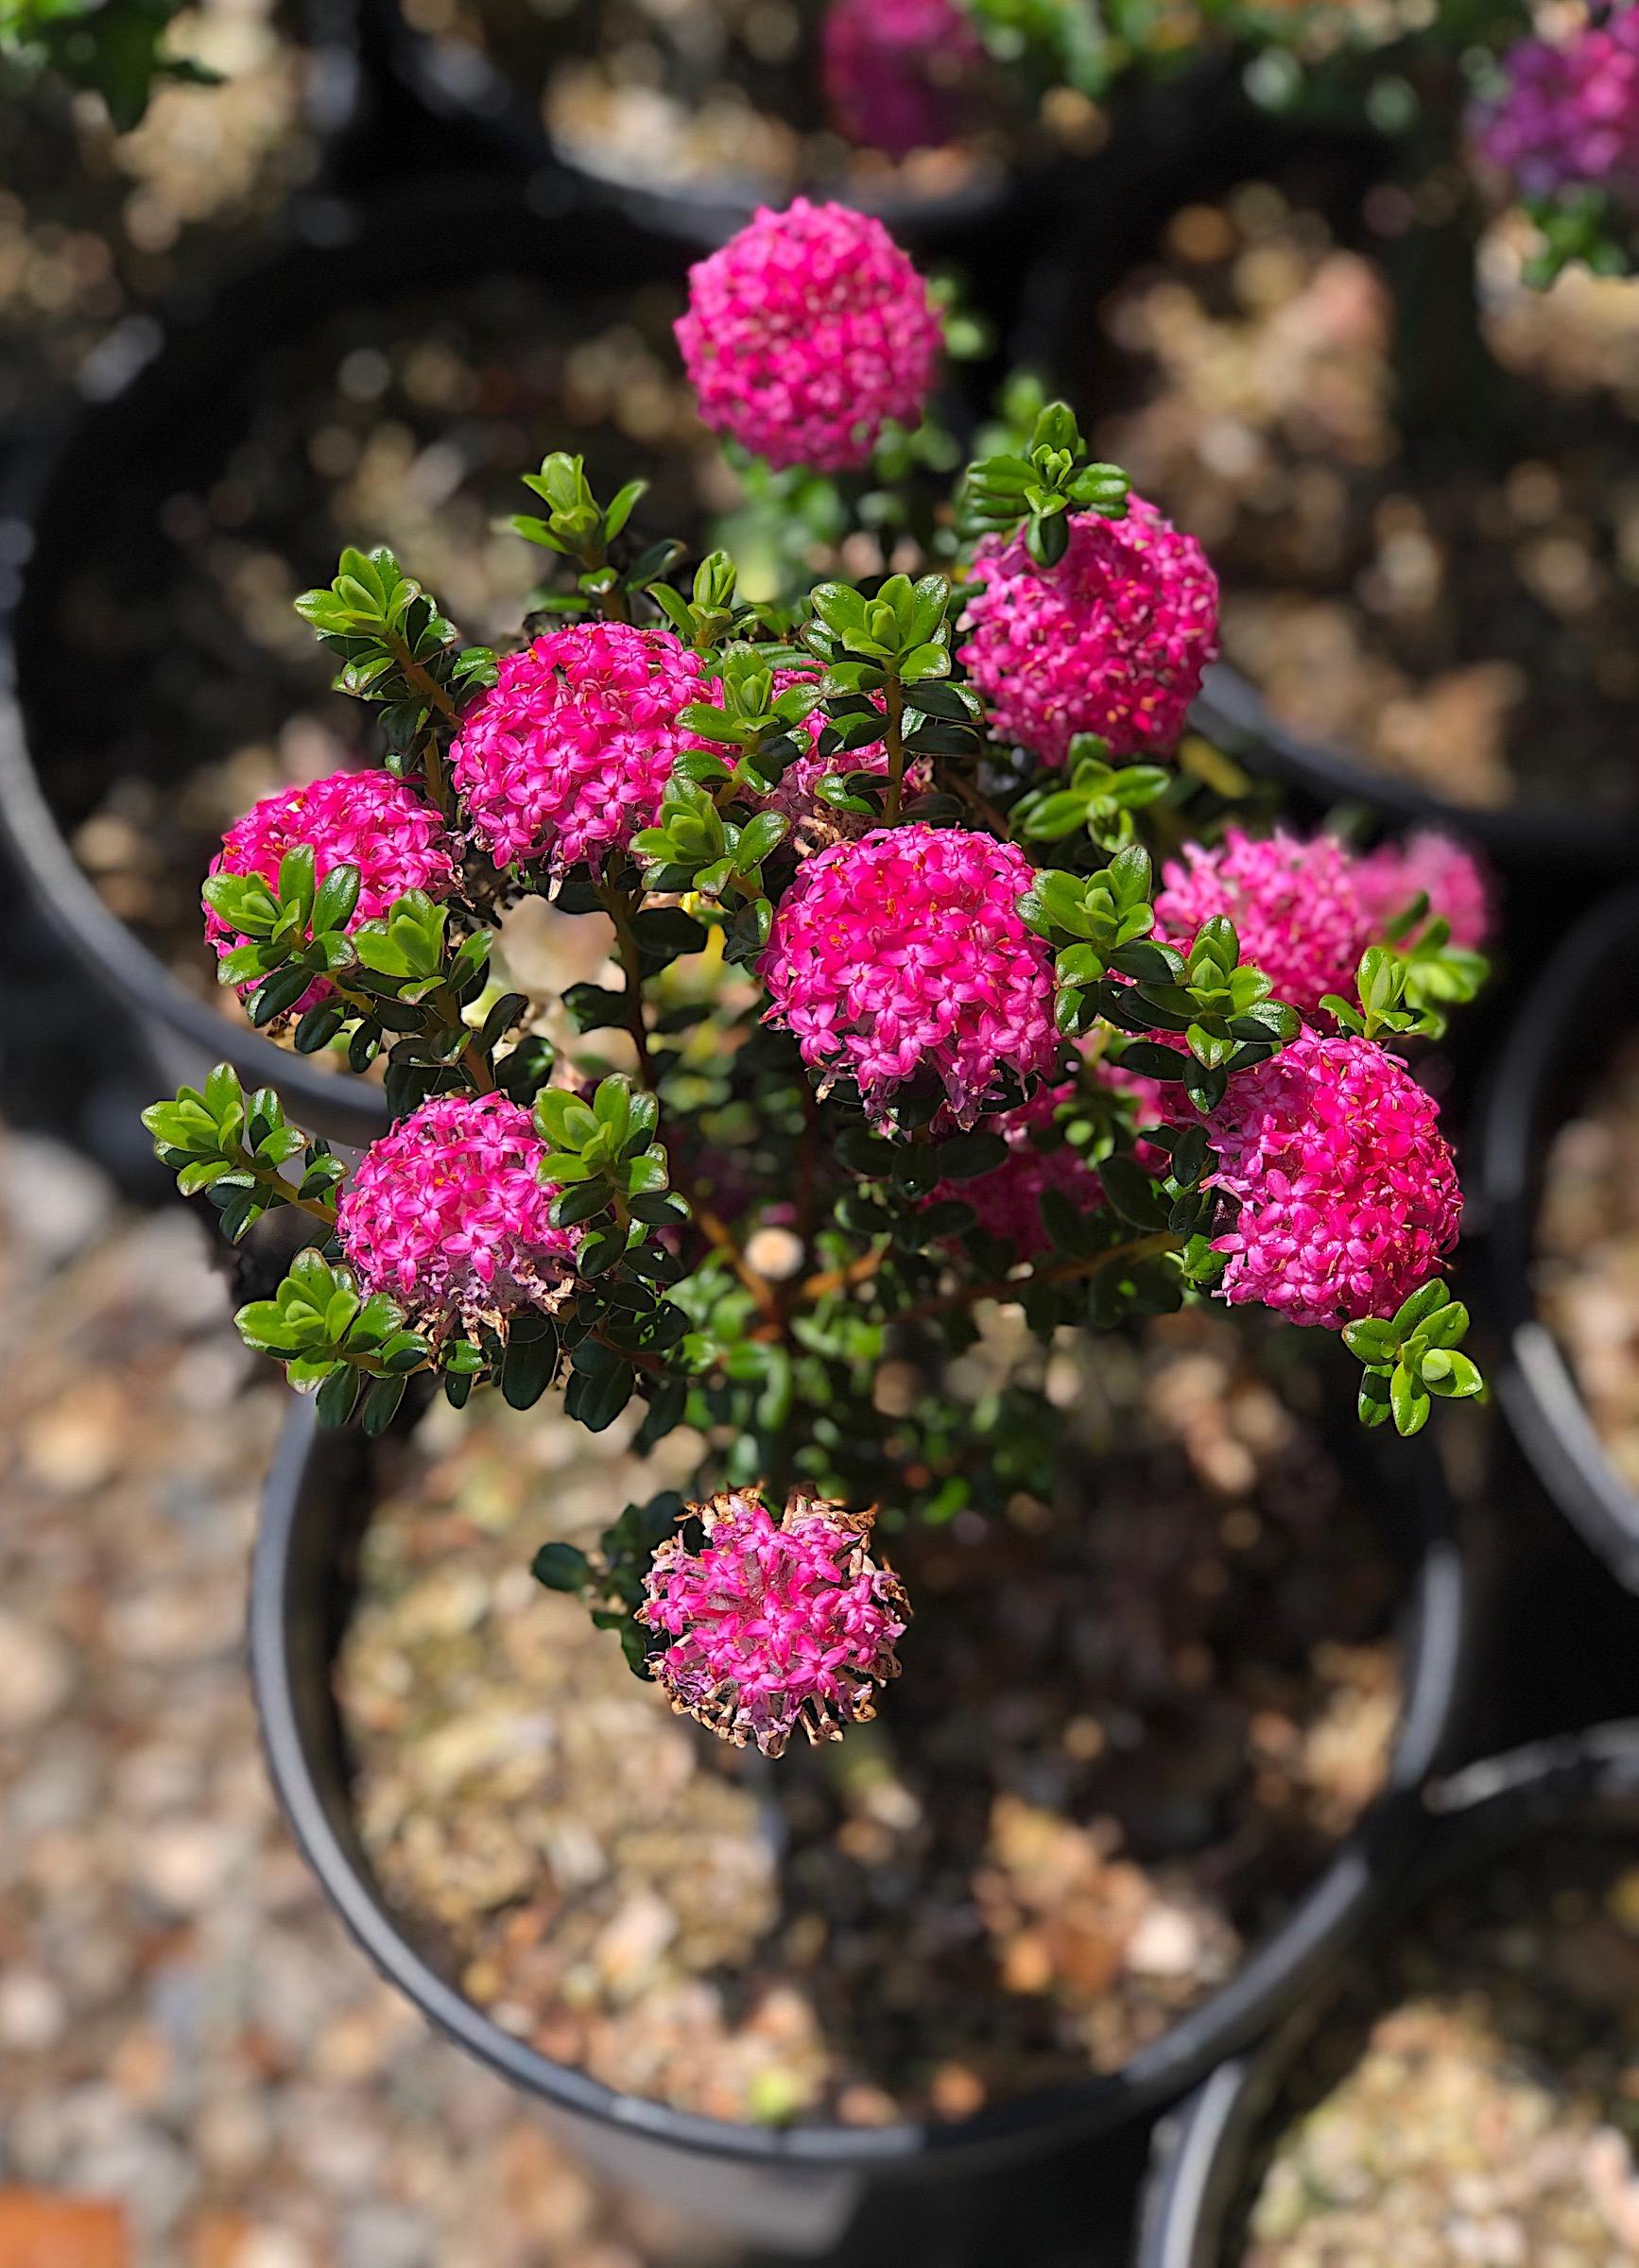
<point>899,1022</point>
<point>1566,128</point>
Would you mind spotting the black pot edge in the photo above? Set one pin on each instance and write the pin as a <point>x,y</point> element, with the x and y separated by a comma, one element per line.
<point>1199,2150</point>
<point>1281,1973</point>
<point>326,238</point>
<point>1231,711</point>
<point>453,82</point>
<point>1535,1386</point>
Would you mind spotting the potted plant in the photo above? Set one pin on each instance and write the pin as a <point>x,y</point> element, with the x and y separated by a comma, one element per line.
<point>1491,1994</point>
<point>939,992</point>
<point>1352,379</point>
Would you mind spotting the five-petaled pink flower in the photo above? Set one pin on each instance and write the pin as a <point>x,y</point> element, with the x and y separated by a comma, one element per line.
<point>772,1625</point>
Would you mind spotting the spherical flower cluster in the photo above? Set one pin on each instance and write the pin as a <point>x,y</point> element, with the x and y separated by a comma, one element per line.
<point>806,334</point>
<point>1458,886</point>
<point>1113,640</point>
<point>364,820</point>
<point>1297,907</point>
<point>901,75</point>
<point>774,1626</point>
<point>1006,1201</point>
<point>1569,113</point>
<point>567,756</point>
<point>904,956</point>
<point>1347,1188</point>
<point>447,1214</point>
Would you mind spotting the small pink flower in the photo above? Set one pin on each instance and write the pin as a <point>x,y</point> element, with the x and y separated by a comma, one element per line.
<point>806,334</point>
<point>1459,886</point>
<point>1297,907</point>
<point>1006,1201</point>
<point>1347,1189</point>
<point>1113,640</point>
<point>448,1214</point>
<point>364,820</point>
<point>903,957</point>
<point>901,75</point>
<point>1568,116</point>
<point>772,1626</point>
<point>567,756</point>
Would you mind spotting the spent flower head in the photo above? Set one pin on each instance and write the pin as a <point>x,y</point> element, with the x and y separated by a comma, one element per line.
<point>774,1624</point>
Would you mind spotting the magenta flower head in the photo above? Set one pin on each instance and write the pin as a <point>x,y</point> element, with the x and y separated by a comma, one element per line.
<point>1459,887</point>
<point>1568,116</point>
<point>1113,640</point>
<point>448,1215</point>
<point>1347,1188</point>
<point>903,956</point>
<point>806,334</point>
<point>774,1625</point>
<point>1006,1201</point>
<point>901,75</point>
<point>567,756</point>
<point>364,820</point>
<point>1296,904</point>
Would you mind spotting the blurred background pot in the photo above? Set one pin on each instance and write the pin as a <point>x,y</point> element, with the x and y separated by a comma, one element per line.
<point>1562,1040</point>
<point>965,2187</point>
<point>1210,2154</point>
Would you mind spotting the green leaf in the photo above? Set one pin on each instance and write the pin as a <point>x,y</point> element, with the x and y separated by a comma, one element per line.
<point>561,1567</point>
<point>528,1369</point>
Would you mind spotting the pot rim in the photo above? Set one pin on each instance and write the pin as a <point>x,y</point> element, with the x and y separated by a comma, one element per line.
<point>1200,2155</point>
<point>1231,710</point>
<point>393,241</point>
<point>1282,1969</point>
<point>1535,1385</point>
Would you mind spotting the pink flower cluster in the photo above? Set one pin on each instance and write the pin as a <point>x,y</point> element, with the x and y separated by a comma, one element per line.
<point>901,75</point>
<point>1006,1201</point>
<point>1113,640</point>
<point>1297,906</point>
<point>567,756</point>
<point>448,1214</point>
<point>364,820</point>
<point>904,955</point>
<point>774,1626</point>
<point>1347,1188</point>
<point>806,334</point>
<point>1569,116</point>
<point>1458,886</point>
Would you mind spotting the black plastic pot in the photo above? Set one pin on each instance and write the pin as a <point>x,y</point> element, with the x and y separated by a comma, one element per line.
<point>801,2186</point>
<point>1557,1045</point>
<point>1518,836</point>
<point>164,395</point>
<point>1207,2154</point>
